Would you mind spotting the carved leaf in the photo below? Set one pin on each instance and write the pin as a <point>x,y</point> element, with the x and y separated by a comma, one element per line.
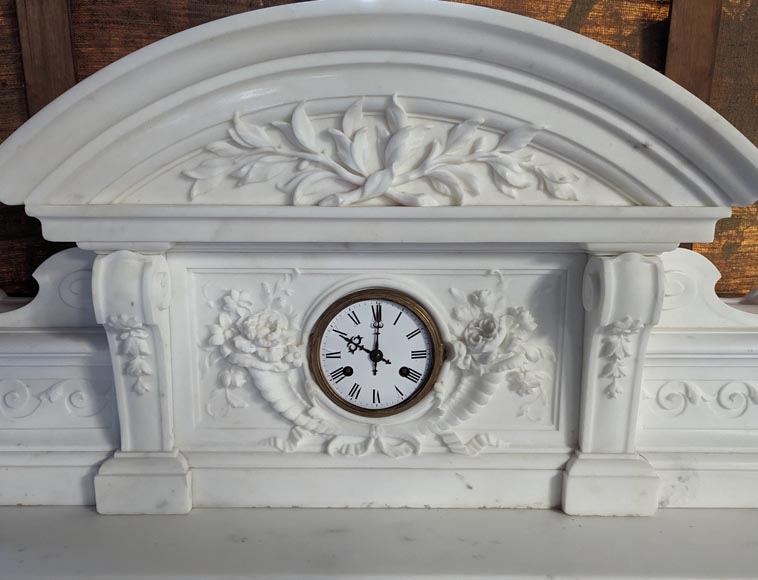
<point>461,136</point>
<point>557,182</point>
<point>507,172</point>
<point>54,393</point>
<point>352,119</point>
<point>138,368</point>
<point>397,118</point>
<point>403,147</point>
<point>248,134</point>
<point>378,182</point>
<point>303,129</point>
<point>345,150</point>
<point>516,139</point>
<point>448,184</point>
<point>225,149</point>
<point>203,186</point>
<point>261,169</point>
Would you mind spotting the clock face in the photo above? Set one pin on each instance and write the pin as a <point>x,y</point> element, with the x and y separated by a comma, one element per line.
<point>376,352</point>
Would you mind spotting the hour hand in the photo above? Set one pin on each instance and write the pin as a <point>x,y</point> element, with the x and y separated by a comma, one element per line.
<point>354,343</point>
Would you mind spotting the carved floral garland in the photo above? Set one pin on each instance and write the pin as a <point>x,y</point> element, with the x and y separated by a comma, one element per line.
<point>133,345</point>
<point>258,343</point>
<point>617,348</point>
<point>360,166</point>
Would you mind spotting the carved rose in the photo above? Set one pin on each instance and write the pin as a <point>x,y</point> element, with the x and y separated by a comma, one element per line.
<point>265,342</point>
<point>485,334</point>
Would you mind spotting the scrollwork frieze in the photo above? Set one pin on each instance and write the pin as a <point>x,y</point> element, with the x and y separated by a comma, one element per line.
<point>730,401</point>
<point>78,397</point>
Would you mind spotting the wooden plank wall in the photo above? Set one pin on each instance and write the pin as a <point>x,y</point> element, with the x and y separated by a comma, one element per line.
<point>101,31</point>
<point>734,94</point>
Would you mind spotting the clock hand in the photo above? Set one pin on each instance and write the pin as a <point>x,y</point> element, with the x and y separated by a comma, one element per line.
<point>355,343</point>
<point>376,310</point>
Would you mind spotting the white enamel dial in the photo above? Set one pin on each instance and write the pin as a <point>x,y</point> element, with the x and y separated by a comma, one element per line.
<point>376,353</point>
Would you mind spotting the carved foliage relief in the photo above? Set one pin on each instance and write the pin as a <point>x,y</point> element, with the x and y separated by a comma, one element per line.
<point>134,348</point>
<point>394,159</point>
<point>257,345</point>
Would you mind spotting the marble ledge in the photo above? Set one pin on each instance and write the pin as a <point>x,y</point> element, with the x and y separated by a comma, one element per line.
<point>62,543</point>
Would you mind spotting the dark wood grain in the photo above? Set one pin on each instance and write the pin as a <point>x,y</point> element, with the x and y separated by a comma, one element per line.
<point>106,30</point>
<point>734,94</point>
<point>12,92</point>
<point>45,50</point>
<point>693,37</point>
<point>638,28</point>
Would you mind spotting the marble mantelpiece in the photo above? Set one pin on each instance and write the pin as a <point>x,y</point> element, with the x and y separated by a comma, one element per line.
<point>454,153</point>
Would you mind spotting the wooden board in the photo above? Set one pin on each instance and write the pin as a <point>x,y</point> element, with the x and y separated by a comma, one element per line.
<point>693,38</point>
<point>734,94</point>
<point>106,30</point>
<point>45,50</point>
<point>12,93</point>
<point>638,28</point>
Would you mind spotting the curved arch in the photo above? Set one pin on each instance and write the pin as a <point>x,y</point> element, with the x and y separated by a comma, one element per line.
<point>606,130</point>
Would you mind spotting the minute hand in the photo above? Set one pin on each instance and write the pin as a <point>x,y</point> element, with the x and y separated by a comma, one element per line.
<point>377,324</point>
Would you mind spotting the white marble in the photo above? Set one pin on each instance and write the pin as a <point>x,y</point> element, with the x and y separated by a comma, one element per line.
<point>61,543</point>
<point>525,185</point>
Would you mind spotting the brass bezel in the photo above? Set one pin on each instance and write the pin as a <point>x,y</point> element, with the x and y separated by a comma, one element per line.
<point>314,341</point>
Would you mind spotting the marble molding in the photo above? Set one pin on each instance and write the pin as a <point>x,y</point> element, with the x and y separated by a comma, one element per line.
<point>220,209</point>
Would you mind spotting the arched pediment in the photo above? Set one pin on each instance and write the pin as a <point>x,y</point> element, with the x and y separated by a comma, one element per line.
<point>359,104</point>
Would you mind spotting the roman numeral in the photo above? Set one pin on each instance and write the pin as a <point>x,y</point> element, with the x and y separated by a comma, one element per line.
<point>354,317</point>
<point>344,334</point>
<point>410,335</point>
<point>418,354</point>
<point>376,311</point>
<point>375,397</point>
<point>338,374</point>
<point>333,355</point>
<point>355,391</point>
<point>413,375</point>
<point>401,393</point>
<point>399,314</point>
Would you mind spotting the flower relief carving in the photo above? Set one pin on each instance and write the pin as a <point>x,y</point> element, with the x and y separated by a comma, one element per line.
<point>494,344</point>
<point>256,343</point>
<point>732,399</point>
<point>616,349</point>
<point>394,159</point>
<point>133,346</point>
<point>79,398</point>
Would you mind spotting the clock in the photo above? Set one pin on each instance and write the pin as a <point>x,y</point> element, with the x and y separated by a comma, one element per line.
<point>375,352</point>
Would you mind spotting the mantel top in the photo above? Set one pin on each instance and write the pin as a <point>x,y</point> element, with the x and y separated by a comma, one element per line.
<point>394,103</point>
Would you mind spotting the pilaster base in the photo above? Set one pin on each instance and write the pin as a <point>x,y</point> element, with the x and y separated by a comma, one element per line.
<point>596,484</point>
<point>144,483</point>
